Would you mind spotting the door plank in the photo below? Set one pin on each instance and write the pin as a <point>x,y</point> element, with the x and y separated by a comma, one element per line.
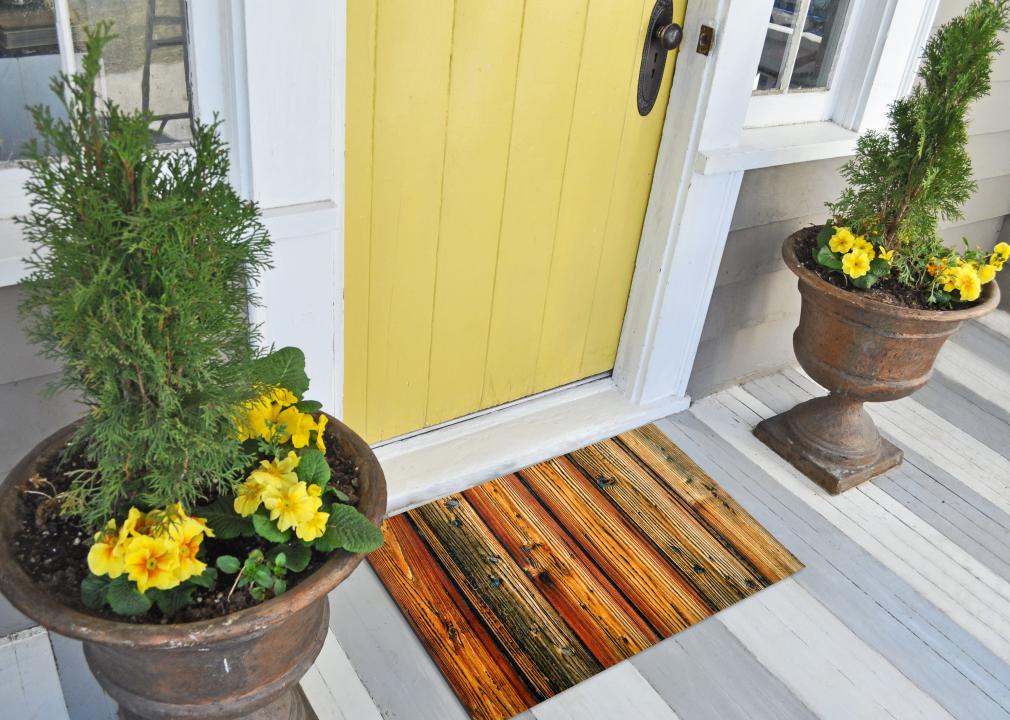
<point>685,542</point>
<point>443,620</point>
<point>668,601</point>
<point>361,18</point>
<point>545,93</point>
<point>548,653</point>
<point>720,512</point>
<point>561,570</point>
<point>481,94</point>
<point>610,60</point>
<point>411,103</point>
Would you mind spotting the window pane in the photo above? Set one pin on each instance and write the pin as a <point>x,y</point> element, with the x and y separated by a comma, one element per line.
<point>819,44</point>
<point>145,67</point>
<point>774,54</point>
<point>29,56</point>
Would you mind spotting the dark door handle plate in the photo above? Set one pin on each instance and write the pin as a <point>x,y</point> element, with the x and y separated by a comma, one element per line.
<point>661,36</point>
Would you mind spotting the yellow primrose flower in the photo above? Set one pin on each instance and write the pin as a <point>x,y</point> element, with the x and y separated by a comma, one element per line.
<point>312,528</point>
<point>297,426</point>
<point>187,537</point>
<point>272,476</point>
<point>842,240</point>
<point>1003,251</point>
<point>969,285</point>
<point>855,264</point>
<point>292,506</point>
<point>106,554</point>
<point>986,274</point>
<point>886,255</point>
<point>160,522</point>
<point>861,243</point>
<point>281,396</point>
<point>250,494</point>
<point>320,426</point>
<point>152,562</point>
<point>315,490</point>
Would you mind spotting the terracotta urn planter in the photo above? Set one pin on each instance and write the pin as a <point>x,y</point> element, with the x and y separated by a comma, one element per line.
<point>861,350</point>
<point>243,665</point>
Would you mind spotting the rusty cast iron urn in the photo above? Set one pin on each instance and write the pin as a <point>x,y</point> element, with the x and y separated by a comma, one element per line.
<point>861,350</point>
<point>243,665</point>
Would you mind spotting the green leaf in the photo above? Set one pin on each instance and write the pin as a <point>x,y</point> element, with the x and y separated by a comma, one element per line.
<point>258,593</point>
<point>865,282</point>
<point>125,599</point>
<point>228,564</point>
<point>350,530</point>
<point>284,368</point>
<point>223,520</point>
<point>828,259</point>
<point>313,468</point>
<point>339,495</point>
<point>280,586</point>
<point>281,560</point>
<point>826,233</point>
<point>309,406</point>
<point>207,579</point>
<point>93,591</point>
<point>297,555</point>
<point>263,577</point>
<point>172,601</point>
<point>267,529</point>
<point>880,268</point>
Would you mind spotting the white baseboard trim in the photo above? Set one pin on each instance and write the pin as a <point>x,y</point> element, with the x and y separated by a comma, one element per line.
<point>334,690</point>
<point>450,459</point>
<point>29,681</point>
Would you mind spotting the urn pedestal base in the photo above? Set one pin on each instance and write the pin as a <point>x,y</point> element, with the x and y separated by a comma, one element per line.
<point>832,440</point>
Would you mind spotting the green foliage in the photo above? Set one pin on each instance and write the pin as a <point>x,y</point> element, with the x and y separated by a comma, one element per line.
<point>140,281</point>
<point>224,521</point>
<point>903,181</point>
<point>124,598</point>
<point>297,555</point>
<point>262,575</point>
<point>267,528</point>
<point>349,530</point>
<point>313,468</point>
<point>283,368</point>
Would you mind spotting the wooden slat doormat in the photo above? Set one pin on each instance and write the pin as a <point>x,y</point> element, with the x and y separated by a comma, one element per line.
<point>524,586</point>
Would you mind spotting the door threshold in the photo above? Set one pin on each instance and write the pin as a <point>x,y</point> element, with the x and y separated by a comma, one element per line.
<point>423,467</point>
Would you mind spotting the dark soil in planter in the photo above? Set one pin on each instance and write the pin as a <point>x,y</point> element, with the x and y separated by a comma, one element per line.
<point>53,549</point>
<point>886,290</point>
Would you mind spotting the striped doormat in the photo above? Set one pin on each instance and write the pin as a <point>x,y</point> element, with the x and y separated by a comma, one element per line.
<point>524,586</point>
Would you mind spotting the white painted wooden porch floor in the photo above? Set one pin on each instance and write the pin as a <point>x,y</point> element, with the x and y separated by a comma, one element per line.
<point>903,609</point>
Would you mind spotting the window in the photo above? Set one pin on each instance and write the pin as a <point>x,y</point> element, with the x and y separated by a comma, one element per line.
<point>802,46</point>
<point>146,67</point>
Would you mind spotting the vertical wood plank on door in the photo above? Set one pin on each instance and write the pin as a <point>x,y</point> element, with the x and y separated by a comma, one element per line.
<point>605,74</point>
<point>358,203</point>
<point>412,56</point>
<point>551,48</point>
<point>481,94</point>
<point>625,217</point>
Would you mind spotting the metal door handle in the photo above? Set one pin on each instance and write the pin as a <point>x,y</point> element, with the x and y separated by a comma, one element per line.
<point>661,36</point>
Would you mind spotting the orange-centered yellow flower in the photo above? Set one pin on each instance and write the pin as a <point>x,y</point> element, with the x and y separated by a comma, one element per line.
<point>106,554</point>
<point>272,476</point>
<point>969,285</point>
<point>292,506</point>
<point>312,528</point>
<point>152,562</point>
<point>855,264</point>
<point>187,537</point>
<point>842,240</point>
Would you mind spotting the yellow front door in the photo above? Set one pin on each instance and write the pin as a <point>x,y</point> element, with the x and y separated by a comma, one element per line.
<point>497,177</point>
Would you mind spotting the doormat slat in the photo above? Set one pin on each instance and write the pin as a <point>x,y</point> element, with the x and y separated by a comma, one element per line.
<point>524,586</point>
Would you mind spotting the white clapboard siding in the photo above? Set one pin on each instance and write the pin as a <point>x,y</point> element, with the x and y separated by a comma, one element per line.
<point>29,683</point>
<point>620,692</point>
<point>975,606</point>
<point>334,690</point>
<point>817,657</point>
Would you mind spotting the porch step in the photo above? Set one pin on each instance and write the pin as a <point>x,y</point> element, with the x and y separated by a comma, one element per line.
<point>29,684</point>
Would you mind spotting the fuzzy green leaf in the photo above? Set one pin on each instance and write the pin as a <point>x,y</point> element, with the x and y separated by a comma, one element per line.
<point>313,468</point>
<point>825,234</point>
<point>828,259</point>
<point>93,591</point>
<point>223,520</point>
<point>349,530</point>
<point>296,555</point>
<point>880,268</point>
<point>280,586</point>
<point>228,564</point>
<point>865,282</point>
<point>207,579</point>
<point>309,406</point>
<point>267,529</point>
<point>284,368</point>
<point>172,601</point>
<point>125,599</point>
